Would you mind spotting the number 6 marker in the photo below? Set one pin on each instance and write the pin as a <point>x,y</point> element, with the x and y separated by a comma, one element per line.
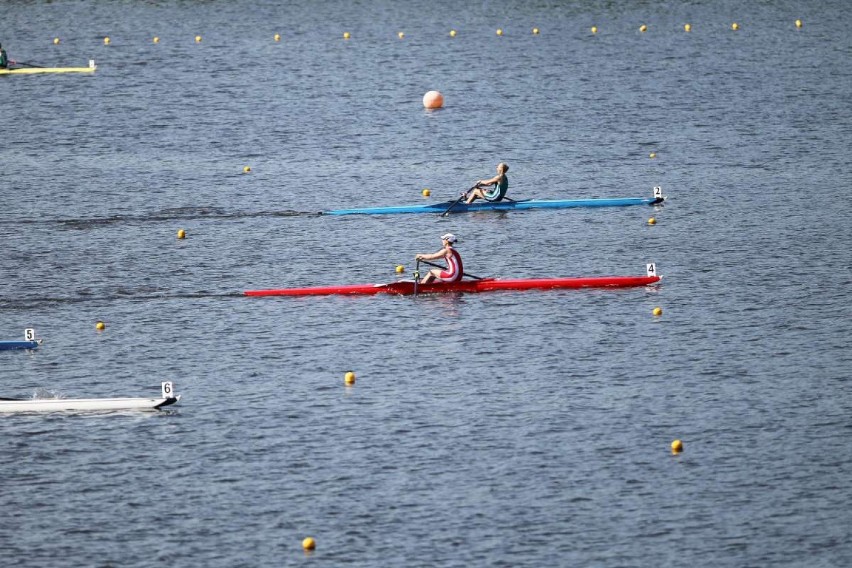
<point>168,390</point>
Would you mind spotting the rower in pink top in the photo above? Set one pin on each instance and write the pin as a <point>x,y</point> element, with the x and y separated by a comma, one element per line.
<point>454,270</point>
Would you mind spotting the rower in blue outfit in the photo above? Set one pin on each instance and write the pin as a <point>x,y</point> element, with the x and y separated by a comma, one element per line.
<point>4,59</point>
<point>499,185</point>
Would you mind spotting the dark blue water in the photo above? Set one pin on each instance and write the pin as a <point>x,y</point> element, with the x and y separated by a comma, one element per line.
<point>504,429</point>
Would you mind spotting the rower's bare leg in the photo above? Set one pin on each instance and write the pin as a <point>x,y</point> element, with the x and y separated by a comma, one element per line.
<point>473,195</point>
<point>431,276</point>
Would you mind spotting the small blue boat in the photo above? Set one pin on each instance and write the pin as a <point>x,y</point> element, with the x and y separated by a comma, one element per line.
<point>29,342</point>
<point>7,345</point>
<point>508,205</point>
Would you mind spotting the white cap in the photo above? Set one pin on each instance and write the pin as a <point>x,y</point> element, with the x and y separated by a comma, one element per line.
<point>449,237</point>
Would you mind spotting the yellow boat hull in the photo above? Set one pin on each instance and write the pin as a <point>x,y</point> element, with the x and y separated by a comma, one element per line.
<point>34,70</point>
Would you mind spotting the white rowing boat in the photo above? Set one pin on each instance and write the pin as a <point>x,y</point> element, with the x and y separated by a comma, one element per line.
<point>65,404</point>
<point>41,70</point>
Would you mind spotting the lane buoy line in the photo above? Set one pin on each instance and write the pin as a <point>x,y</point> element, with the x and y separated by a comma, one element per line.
<point>500,32</point>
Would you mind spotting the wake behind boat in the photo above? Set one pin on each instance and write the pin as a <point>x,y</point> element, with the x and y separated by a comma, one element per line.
<point>508,205</point>
<point>76,404</point>
<point>410,287</point>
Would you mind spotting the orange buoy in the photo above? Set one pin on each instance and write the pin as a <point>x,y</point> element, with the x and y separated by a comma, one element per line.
<point>433,99</point>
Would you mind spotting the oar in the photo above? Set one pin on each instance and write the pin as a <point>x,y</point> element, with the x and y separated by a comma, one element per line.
<point>416,275</point>
<point>464,273</point>
<point>457,201</point>
<point>27,64</point>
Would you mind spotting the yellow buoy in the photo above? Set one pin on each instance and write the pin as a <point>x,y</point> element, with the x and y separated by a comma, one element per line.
<point>106,41</point>
<point>652,221</point>
<point>277,37</point>
<point>657,311</point>
<point>677,447</point>
<point>594,29</point>
<point>687,28</point>
<point>426,192</point>
<point>349,378</point>
<point>100,326</point>
<point>735,26</point>
<point>452,33</point>
<point>198,39</point>
<point>181,234</point>
<point>652,155</point>
<point>499,32</point>
<point>798,23</point>
<point>246,169</point>
<point>156,39</point>
<point>56,41</point>
<point>535,31</point>
<point>433,100</point>
<point>308,543</point>
<point>400,269</point>
<point>346,35</point>
<point>643,28</point>
<point>401,35</point>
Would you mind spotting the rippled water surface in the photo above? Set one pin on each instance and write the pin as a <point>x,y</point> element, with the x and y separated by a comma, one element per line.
<point>503,429</point>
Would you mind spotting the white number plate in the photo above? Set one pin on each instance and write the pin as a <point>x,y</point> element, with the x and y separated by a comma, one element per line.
<point>168,390</point>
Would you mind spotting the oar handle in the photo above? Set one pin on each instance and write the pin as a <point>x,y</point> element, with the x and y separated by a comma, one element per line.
<point>465,273</point>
